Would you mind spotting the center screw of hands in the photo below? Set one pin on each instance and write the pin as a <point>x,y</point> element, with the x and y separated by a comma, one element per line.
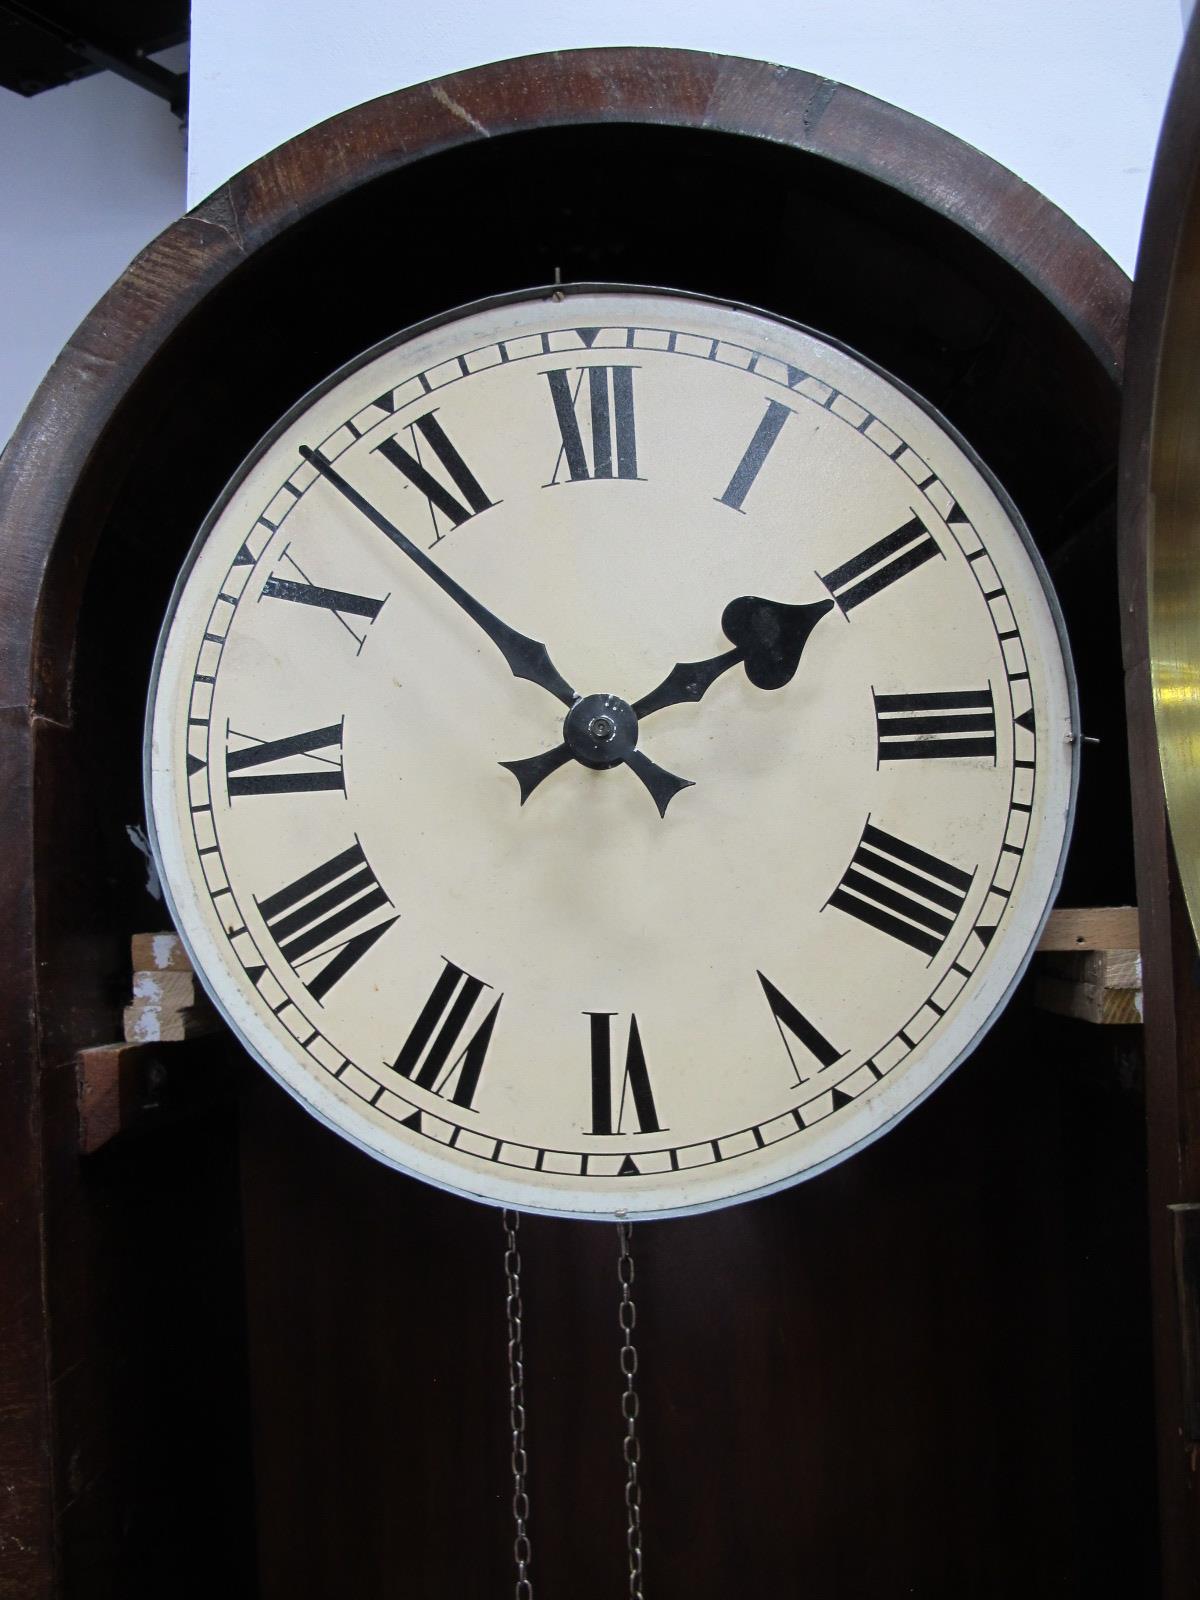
<point>601,730</point>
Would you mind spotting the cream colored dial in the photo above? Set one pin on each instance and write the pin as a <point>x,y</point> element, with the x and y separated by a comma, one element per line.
<point>754,564</point>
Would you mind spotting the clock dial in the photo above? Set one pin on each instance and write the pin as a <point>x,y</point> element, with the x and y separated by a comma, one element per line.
<point>611,752</point>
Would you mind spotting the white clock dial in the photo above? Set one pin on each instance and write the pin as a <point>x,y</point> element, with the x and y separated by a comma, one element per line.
<point>579,550</point>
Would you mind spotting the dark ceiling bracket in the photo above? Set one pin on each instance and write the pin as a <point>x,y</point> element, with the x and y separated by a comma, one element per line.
<point>133,65</point>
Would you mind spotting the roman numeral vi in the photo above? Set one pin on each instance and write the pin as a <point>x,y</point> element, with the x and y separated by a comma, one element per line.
<point>635,1093</point>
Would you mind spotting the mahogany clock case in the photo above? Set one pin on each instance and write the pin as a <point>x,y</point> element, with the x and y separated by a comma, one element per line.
<point>243,1355</point>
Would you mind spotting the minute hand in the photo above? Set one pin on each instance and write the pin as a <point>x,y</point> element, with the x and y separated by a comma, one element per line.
<point>527,658</point>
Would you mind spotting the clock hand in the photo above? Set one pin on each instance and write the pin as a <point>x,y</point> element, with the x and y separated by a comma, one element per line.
<point>601,732</point>
<point>527,658</point>
<point>768,639</point>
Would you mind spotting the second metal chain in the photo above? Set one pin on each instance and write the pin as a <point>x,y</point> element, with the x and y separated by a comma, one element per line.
<point>631,1445</point>
<point>522,1550</point>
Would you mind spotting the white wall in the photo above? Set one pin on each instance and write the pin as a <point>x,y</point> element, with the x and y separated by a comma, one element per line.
<point>89,173</point>
<point>1068,95</point>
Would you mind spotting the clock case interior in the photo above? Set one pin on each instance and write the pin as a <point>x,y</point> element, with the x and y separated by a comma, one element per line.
<point>281,1364</point>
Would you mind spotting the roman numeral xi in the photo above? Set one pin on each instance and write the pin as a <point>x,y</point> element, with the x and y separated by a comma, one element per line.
<point>469,497</point>
<point>606,445</point>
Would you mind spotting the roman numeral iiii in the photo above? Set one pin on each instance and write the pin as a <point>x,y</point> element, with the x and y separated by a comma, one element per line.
<point>903,891</point>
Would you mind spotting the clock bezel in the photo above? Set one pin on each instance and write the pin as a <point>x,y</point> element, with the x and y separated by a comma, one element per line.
<point>560,293</point>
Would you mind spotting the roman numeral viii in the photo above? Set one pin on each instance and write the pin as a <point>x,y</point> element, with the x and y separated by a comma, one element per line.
<point>634,1094</point>
<point>428,1057</point>
<point>936,727</point>
<point>324,922</point>
<point>319,766</point>
<point>880,564</point>
<point>610,430</point>
<point>457,508</point>
<point>903,891</point>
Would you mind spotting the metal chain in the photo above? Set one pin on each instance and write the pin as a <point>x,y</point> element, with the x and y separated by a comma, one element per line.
<point>522,1550</point>
<point>631,1445</point>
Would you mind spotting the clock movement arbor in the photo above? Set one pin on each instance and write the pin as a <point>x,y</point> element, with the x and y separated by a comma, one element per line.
<point>245,1340</point>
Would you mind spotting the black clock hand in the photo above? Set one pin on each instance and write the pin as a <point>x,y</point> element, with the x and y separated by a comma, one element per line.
<point>662,785</point>
<point>527,658</point>
<point>768,638</point>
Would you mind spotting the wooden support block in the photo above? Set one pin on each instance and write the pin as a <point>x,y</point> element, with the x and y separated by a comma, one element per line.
<point>168,1003</point>
<point>1091,928</point>
<point>135,1089</point>
<point>105,1078</point>
<point>1089,965</point>
<point>147,1022</point>
<point>159,952</point>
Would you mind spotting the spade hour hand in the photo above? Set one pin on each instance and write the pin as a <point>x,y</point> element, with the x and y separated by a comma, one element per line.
<point>527,658</point>
<point>768,639</point>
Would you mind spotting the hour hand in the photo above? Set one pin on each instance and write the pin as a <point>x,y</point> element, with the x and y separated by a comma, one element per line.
<point>768,639</point>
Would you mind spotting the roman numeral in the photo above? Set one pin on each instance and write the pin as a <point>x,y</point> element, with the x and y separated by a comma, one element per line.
<point>317,770</point>
<point>611,429</point>
<point>427,1057</point>
<point>440,499</point>
<point>936,727</point>
<point>749,467</point>
<point>801,1029</point>
<point>902,891</point>
<point>635,1090</point>
<point>880,564</point>
<point>313,919</point>
<point>338,602</point>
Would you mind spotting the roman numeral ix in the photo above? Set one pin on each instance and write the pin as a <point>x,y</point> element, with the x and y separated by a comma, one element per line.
<point>611,431</point>
<point>905,892</point>
<point>455,510</point>
<point>427,1056</point>
<point>322,921</point>
<point>880,564</point>
<point>635,1094</point>
<point>936,727</point>
<point>320,766</point>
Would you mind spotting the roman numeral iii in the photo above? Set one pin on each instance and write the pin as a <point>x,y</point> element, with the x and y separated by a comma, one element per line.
<point>633,1099</point>
<point>936,727</point>
<point>319,765</point>
<point>880,564</point>
<point>323,922</point>
<point>427,1057</point>
<point>609,449</point>
<point>903,891</point>
<point>458,508</point>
